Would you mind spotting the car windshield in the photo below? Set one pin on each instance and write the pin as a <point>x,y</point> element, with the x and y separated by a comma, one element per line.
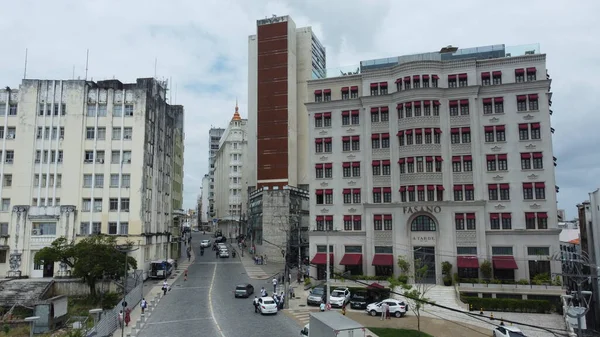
<point>337,293</point>
<point>240,288</point>
<point>269,302</point>
<point>515,334</point>
<point>317,291</point>
<point>359,296</point>
<point>204,241</point>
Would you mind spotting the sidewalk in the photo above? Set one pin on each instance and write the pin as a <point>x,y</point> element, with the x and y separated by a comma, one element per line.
<point>257,271</point>
<point>153,294</point>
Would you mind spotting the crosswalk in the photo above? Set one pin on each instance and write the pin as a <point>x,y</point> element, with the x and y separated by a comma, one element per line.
<point>302,316</point>
<point>255,272</point>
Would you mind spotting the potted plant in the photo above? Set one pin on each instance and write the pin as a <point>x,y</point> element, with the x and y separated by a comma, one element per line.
<point>486,270</point>
<point>446,270</point>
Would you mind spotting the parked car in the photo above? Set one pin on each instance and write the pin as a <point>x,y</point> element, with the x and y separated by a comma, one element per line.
<point>316,296</point>
<point>205,243</point>
<point>244,290</point>
<point>397,308</point>
<point>339,297</point>
<point>266,305</point>
<point>360,300</point>
<point>507,331</point>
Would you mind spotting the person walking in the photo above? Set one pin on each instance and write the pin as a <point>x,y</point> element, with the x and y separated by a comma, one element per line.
<point>344,309</point>
<point>185,275</point>
<point>127,316</point>
<point>384,310</point>
<point>255,302</point>
<point>165,287</point>
<point>120,318</point>
<point>143,305</point>
<point>322,306</point>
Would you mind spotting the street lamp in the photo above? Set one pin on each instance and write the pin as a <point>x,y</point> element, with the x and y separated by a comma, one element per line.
<point>126,249</point>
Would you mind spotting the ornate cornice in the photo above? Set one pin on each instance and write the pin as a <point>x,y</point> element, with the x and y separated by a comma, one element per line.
<point>340,104</point>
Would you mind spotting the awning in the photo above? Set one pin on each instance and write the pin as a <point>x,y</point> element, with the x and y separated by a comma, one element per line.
<point>321,258</point>
<point>504,262</point>
<point>354,88</point>
<point>383,84</point>
<point>383,260</point>
<point>487,101</point>
<point>498,99</point>
<point>351,260</point>
<point>375,285</point>
<point>327,91</point>
<point>520,71</point>
<point>467,262</point>
<point>318,92</point>
<point>497,73</point>
<point>531,70</point>
<point>374,85</point>
<point>344,89</point>
<point>485,75</point>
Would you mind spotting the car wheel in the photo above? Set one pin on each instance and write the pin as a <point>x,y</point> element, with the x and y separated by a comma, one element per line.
<point>398,314</point>
<point>373,313</point>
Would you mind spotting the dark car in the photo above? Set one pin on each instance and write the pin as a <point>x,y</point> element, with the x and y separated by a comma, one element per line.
<point>220,239</point>
<point>316,296</point>
<point>360,300</point>
<point>244,290</point>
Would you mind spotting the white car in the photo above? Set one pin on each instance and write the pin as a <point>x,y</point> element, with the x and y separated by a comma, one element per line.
<point>221,246</point>
<point>508,331</point>
<point>397,308</point>
<point>339,297</point>
<point>223,253</point>
<point>205,243</point>
<point>267,305</point>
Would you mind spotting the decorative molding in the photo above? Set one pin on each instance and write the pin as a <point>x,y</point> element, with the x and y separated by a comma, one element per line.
<point>494,120</point>
<point>351,156</point>
<point>461,148</point>
<point>530,147</point>
<point>323,132</point>
<point>533,176</point>
<point>462,177</point>
<point>324,184</point>
<point>352,210</point>
<point>20,209</point>
<point>324,210</point>
<point>425,178</point>
<point>351,183</point>
<point>422,122</point>
<point>67,209</point>
<point>528,117</point>
<point>350,130</point>
<point>499,206</point>
<point>323,158</point>
<point>419,149</point>
<point>535,206</point>
<point>496,148</point>
<point>498,177</point>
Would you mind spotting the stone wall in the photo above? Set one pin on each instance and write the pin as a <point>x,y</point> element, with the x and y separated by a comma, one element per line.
<point>75,287</point>
<point>276,211</point>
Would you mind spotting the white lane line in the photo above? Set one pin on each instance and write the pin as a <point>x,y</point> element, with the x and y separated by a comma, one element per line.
<point>212,312</point>
<point>180,321</point>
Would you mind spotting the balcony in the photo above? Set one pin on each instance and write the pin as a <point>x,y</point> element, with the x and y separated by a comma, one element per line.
<point>37,242</point>
<point>44,212</point>
<point>422,178</point>
<point>462,177</point>
<point>461,148</point>
<point>460,120</point>
<point>420,150</point>
<point>419,122</point>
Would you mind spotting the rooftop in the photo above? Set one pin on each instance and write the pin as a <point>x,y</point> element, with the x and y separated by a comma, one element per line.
<point>448,53</point>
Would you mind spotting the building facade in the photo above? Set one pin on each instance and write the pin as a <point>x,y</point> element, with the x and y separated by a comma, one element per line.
<point>230,189</point>
<point>80,158</point>
<point>214,137</point>
<point>177,182</point>
<point>204,203</point>
<point>435,157</point>
<point>281,59</point>
<point>589,218</point>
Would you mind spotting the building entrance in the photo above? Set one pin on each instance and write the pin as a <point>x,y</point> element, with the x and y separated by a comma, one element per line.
<point>425,256</point>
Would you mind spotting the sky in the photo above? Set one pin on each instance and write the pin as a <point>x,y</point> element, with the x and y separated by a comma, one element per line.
<point>202,46</point>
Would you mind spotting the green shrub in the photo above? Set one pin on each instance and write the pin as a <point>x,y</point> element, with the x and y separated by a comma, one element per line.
<point>523,281</point>
<point>557,281</point>
<point>403,279</point>
<point>486,269</point>
<point>456,278</point>
<point>446,268</point>
<point>508,304</point>
<point>307,281</point>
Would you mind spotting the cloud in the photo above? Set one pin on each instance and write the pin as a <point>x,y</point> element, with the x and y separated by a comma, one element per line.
<point>202,46</point>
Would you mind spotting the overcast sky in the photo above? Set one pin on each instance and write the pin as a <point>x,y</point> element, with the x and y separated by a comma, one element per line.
<point>202,46</point>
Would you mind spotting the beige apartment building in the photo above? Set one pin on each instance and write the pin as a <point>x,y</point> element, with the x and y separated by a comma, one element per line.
<point>82,157</point>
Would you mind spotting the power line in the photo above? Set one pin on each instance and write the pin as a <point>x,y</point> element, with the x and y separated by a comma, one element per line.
<point>550,330</point>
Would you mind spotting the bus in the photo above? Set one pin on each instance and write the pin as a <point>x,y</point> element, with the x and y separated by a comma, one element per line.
<point>161,269</point>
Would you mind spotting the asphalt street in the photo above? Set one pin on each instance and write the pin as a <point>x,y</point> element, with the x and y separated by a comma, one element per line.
<point>204,305</point>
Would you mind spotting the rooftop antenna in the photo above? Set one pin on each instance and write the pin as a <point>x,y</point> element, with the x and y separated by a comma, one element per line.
<point>155,62</point>
<point>175,102</point>
<point>170,91</point>
<point>73,75</point>
<point>87,59</point>
<point>25,68</point>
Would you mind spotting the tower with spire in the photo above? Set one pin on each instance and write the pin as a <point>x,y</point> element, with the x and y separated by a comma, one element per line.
<point>236,114</point>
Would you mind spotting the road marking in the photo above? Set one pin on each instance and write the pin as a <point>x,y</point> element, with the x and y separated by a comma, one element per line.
<point>180,321</point>
<point>183,288</point>
<point>212,312</point>
<point>218,262</point>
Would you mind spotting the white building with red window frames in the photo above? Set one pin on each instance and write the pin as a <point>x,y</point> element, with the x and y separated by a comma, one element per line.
<point>438,157</point>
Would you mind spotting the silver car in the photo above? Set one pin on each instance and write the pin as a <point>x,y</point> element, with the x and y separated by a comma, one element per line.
<point>205,243</point>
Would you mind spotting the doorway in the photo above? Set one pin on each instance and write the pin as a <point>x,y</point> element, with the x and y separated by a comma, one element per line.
<point>48,269</point>
<point>425,257</point>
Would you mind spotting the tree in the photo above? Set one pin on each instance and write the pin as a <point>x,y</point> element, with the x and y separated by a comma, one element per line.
<point>416,293</point>
<point>90,259</point>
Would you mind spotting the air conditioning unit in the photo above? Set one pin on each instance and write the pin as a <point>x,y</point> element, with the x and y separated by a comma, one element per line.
<point>128,161</point>
<point>34,231</point>
<point>127,137</point>
<point>10,136</point>
<point>101,161</point>
<point>9,161</point>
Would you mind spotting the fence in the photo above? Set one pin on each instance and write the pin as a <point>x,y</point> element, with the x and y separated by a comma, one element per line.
<point>108,322</point>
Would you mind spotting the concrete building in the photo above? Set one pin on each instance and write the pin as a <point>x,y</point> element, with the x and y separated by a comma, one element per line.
<point>204,202</point>
<point>214,137</point>
<point>589,220</point>
<point>177,181</point>
<point>80,158</point>
<point>443,156</point>
<point>229,188</point>
<point>281,59</point>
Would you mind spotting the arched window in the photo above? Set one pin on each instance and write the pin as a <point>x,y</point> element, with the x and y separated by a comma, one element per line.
<point>423,223</point>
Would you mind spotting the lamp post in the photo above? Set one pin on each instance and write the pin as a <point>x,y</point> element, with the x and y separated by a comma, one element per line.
<point>126,249</point>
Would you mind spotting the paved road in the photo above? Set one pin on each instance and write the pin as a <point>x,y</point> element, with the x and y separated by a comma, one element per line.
<point>204,304</point>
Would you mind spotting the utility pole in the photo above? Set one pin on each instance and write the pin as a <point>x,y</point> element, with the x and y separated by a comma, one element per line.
<point>126,250</point>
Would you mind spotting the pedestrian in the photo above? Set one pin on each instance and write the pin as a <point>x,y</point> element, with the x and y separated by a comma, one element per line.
<point>274,286</point>
<point>344,309</point>
<point>185,275</point>
<point>290,277</point>
<point>165,287</point>
<point>127,316</point>
<point>120,318</point>
<point>216,253</point>
<point>255,304</point>
<point>263,292</point>
<point>383,311</point>
<point>322,306</point>
<point>189,254</point>
<point>387,311</point>
<point>265,259</point>
<point>143,305</point>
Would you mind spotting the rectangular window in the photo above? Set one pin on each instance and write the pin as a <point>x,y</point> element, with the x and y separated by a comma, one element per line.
<point>116,134</point>
<point>535,131</point>
<point>377,195</point>
<point>523,132</point>
<point>538,251</point>
<point>502,251</point>
<point>5,205</point>
<point>7,180</point>
<point>528,191</point>
<point>43,228</point>
<point>466,250</point>
<point>114,180</point>
<point>117,110</point>
<point>356,169</point>
<point>504,192</point>
<point>87,180</point>
<point>540,191</point>
<point>538,160</point>
<point>493,192</point>
<point>99,180</point>
<point>458,193</point>
<point>102,110</point>
<point>128,110</point>
<point>112,228</point>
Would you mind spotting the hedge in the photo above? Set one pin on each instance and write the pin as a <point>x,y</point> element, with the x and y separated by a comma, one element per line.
<point>507,304</point>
